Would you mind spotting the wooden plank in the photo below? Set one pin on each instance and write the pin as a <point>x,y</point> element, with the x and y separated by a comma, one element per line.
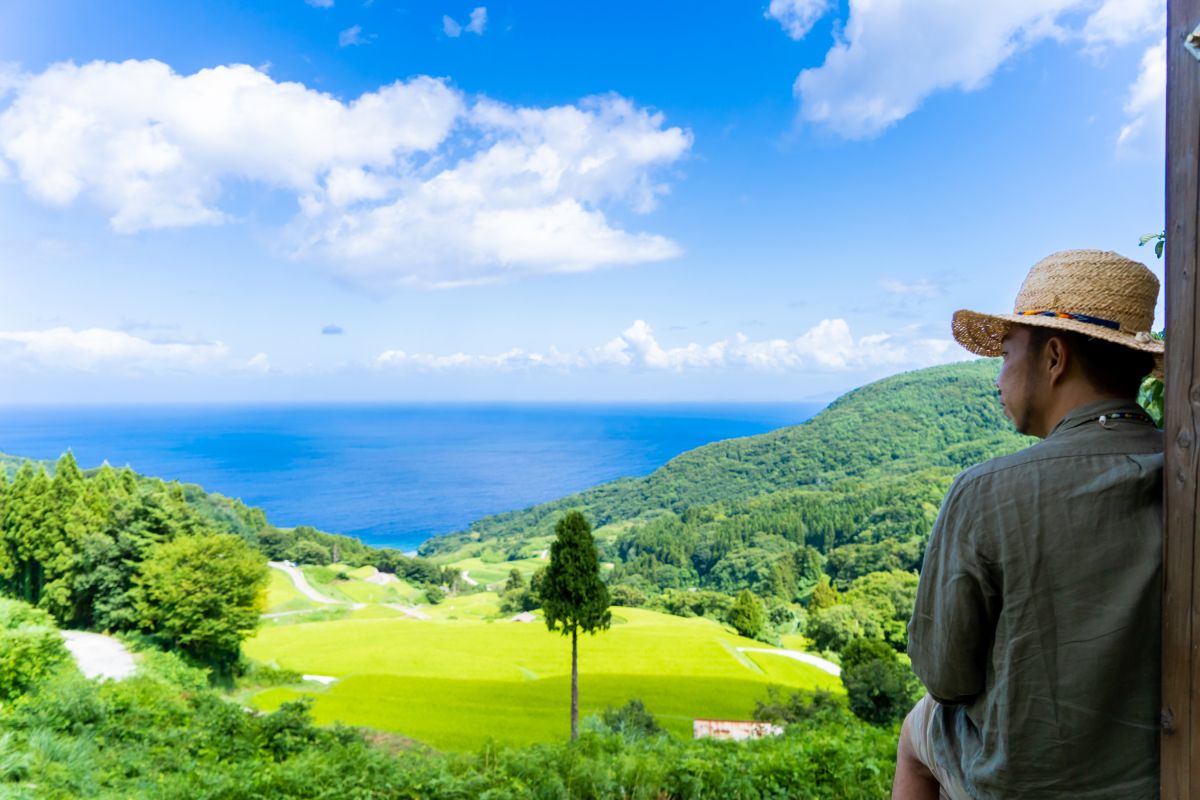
<point>1181,556</point>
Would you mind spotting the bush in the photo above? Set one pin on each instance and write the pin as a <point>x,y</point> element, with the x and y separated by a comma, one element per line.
<point>632,720</point>
<point>256,674</point>
<point>627,596</point>
<point>800,706</point>
<point>880,688</point>
<point>31,647</point>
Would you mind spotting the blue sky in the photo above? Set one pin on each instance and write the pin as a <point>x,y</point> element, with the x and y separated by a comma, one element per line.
<point>387,201</point>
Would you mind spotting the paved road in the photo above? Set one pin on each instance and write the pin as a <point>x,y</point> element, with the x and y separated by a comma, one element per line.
<point>301,583</point>
<point>807,658</point>
<point>99,656</point>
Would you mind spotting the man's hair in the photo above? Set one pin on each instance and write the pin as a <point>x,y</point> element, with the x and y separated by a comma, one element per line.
<point>1109,367</point>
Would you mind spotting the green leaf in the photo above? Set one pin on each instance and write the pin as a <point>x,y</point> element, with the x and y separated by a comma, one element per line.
<point>1158,247</point>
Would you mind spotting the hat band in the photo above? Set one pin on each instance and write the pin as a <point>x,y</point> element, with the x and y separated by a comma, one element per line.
<point>1039,312</point>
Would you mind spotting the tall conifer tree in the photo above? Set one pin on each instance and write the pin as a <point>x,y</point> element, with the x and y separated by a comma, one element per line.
<point>574,598</point>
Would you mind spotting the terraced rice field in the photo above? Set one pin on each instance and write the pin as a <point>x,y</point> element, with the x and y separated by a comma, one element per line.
<point>463,677</point>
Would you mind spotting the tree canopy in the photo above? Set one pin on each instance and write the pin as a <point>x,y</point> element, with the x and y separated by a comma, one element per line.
<point>204,593</point>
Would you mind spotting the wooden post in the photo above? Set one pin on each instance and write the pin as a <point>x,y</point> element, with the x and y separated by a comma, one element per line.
<point>1181,556</point>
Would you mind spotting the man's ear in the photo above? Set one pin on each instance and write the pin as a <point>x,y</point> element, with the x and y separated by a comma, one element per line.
<point>1055,358</point>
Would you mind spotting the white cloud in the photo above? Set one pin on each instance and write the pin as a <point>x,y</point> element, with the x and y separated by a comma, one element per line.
<point>408,184</point>
<point>152,147</point>
<point>827,347</point>
<point>797,17</point>
<point>476,24</point>
<point>527,200</point>
<point>1122,21</point>
<point>320,3</point>
<point>478,21</point>
<point>351,36</point>
<point>1146,106</point>
<point>897,52</point>
<point>920,288</point>
<point>892,54</point>
<point>93,349</point>
<point>259,363</point>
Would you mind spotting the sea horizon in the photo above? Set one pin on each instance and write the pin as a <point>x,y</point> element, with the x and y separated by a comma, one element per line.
<point>391,474</point>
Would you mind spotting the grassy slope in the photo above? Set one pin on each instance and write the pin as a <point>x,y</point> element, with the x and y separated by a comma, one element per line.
<point>457,683</point>
<point>939,417</point>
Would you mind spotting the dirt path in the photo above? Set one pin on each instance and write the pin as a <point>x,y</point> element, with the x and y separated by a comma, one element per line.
<point>301,583</point>
<point>796,655</point>
<point>410,611</point>
<point>467,579</point>
<point>99,656</point>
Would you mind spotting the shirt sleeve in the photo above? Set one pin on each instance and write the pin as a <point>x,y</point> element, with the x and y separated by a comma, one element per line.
<point>954,618</point>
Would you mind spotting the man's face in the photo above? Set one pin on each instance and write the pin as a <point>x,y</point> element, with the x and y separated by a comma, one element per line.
<point>1020,382</point>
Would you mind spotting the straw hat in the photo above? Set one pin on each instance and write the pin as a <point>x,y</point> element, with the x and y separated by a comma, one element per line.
<point>1099,294</point>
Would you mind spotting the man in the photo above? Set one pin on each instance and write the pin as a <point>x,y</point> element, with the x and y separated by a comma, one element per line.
<point>1036,629</point>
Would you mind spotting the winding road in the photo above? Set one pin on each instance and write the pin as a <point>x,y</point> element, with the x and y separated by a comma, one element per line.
<point>796,655</point>
<point>301,583</point>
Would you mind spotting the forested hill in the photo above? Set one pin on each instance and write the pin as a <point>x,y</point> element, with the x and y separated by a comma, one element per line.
<point>941,419</point>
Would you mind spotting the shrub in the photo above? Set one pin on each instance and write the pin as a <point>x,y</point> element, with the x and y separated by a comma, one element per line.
<point>880,688</point>
<point>631,720</point>
<point>30,647</point>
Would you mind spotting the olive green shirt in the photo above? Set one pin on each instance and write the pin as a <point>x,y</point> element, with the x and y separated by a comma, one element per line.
<point>1037,621</point>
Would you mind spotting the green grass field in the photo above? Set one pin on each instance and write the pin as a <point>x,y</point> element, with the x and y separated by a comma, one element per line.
<point>490,573</point>
<point>456,683</point>
<point>283,596</point>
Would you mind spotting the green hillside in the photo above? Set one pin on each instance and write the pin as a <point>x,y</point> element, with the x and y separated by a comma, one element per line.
<point>867,474</point>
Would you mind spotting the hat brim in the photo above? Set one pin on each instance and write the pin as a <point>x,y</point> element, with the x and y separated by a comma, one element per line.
<point>983,334</point>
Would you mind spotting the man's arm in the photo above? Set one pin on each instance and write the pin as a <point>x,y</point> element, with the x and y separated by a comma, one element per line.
<point>954,618</point>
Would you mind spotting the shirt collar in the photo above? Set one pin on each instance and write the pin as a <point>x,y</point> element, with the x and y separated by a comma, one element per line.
<point>1086,413</point>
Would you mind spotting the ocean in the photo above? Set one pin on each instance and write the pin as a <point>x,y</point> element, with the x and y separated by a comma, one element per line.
<point>392,475</point>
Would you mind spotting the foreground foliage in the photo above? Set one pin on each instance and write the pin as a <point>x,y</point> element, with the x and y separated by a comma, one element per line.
<point>30,647</point>
<point>164,734</point>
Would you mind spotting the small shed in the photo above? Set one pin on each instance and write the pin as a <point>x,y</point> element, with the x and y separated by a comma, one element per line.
<point>737,730</point>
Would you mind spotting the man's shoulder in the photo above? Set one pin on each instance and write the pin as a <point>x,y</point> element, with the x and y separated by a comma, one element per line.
<point>1031,462</point>
<point>1004,465</point>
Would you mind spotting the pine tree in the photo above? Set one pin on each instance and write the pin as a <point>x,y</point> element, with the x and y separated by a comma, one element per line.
<point>56,547</point>
<point>574,598</point>
<point>26,515</point>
